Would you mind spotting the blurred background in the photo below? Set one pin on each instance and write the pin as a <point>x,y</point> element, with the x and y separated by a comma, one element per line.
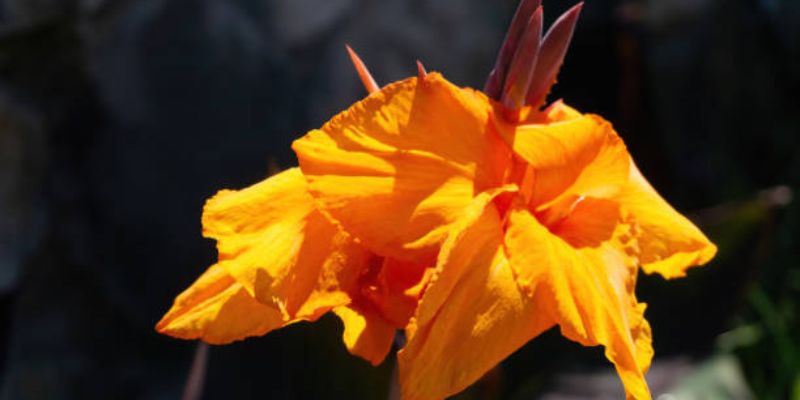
<point>118,118</point>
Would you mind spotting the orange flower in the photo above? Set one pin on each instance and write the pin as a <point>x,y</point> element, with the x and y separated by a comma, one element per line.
<point>473,221</point>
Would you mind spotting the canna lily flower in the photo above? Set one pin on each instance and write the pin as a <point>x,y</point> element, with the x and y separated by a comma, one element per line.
<point>473,221</point>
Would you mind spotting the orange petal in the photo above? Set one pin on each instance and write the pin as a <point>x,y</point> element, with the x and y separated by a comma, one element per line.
<point>472,314</point>
<point>218,310</point>
<point>366,334</point>
<point>668,241</point>
<point>587,291</point>
<point>281,250</point>
<point>397,168</point>
<point>588,222</point>
<point>577,156</point>
<point>394,288</point>
<point>558,111</point>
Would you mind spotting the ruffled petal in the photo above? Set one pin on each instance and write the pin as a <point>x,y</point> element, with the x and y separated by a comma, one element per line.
<point>472,314</point>
<point>218,310</point>
<point>569,154</point>
<point>588,291</point>
<point>668,241</point>
<point>281,250</point>
<point>366,334</point>
<point>396,169</point>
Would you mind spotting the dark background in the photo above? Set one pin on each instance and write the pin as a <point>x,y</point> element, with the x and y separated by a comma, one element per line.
<point>118,118</point>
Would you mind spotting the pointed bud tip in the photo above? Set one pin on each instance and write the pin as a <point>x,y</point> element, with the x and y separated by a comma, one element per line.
<point>554,49</point>
<point>350,52</point>
<point>363,73</point>
<point>523,65</point>
<point>575,10</point>
<point>496,81</point>
<point>421,72</point>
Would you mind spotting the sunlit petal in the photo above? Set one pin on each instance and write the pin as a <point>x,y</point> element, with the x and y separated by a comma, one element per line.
<point>396,169</point>
<point>588,291</point>
<point>217,310</point>
<point>579,155</point>
<point>669,242</point>
<point>281,250</point>
<point>472,314</point>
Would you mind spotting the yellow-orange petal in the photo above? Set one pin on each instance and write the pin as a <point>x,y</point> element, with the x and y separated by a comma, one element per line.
<point>569,155</point>
<point>560,111</point>
<point>587,291</point>
<point>366,334</point>
<point>397,168</point>
<point>284,252</point>
<point>587,222</point>
<point>472,314</point>
<point>668,241</point>
<point>218,310</point>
